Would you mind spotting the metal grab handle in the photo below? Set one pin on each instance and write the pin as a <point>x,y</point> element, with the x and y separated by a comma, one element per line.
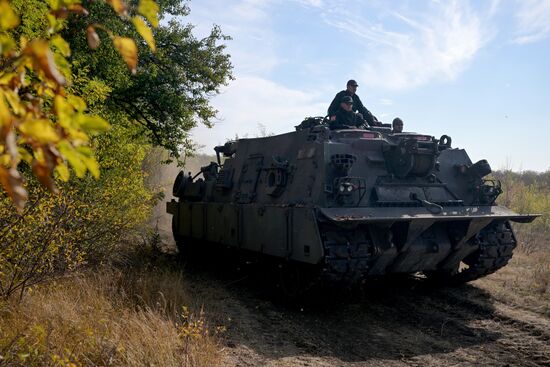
<point>431,207</point>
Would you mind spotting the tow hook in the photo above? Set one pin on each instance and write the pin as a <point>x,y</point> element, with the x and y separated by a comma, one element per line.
<point>431,207</point>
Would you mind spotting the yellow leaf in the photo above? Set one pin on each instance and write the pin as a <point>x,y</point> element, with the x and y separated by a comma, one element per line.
<point>60,44</point>
<point>63,110</point>
<point>40,130</point>
<point>118,5</point>
<point>149,9</point>
<point>5,115</point>
<point>7,44</point>
<point>8,18</point>
<point>24,154</point>
<point>73,157</point>
<point>14,102</point>
<point>42,171</point>
<point>63,66</point>
<point>91,124</point>
<point>85,151</point>
<point>6,78</point>
<point>63,172</point>
<point>77,102</point>
<point>54,4</point>
<point>5,160</point>
<point>12,181</point>
<point>43,59</point>
<point>92,165</point>
<point>56,24</point>
<point>145,32</point>
<point>128,50</point>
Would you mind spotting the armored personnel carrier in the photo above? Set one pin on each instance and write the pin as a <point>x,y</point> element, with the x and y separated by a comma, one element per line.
<point>346,205</point>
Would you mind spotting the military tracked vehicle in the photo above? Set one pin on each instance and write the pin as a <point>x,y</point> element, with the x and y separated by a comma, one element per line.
<point>346,205</point>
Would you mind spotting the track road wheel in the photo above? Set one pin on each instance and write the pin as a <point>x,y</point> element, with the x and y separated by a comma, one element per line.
<point>496,244</point>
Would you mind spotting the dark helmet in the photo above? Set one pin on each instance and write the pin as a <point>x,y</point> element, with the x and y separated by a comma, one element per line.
<point>352,82</point>
<point>346,99</point>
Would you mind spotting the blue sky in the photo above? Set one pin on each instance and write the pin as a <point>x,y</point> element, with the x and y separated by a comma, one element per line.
<point>478,71</point>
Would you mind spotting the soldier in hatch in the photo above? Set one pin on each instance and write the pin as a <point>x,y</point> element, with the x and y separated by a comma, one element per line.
<point>350,90</point>
<point>344,117</point>
<point>397,125</point>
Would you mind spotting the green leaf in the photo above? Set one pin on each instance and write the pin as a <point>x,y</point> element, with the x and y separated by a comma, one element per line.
<point>149,9</point>
<point>145,32</point>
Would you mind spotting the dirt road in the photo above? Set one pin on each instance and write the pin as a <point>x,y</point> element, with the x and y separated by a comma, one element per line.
<point>396,324</point>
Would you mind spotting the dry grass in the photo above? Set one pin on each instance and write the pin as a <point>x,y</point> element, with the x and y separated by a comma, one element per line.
<point>111,317</point>
<point>525,280</point>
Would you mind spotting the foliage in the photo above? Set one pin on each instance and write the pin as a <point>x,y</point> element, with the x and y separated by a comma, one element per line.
<point>81,223</point>
<point>528,192</point>
<point>59,93</point>
<point>170,92</point>
<point>43,125</point>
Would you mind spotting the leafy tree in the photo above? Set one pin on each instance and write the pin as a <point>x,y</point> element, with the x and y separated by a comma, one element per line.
<point>41,122</point>
<point>170,92</point>
<point>88,217</point>
<point>50,111</point>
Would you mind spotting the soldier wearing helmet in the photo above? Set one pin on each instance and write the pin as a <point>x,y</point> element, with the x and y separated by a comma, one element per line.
<point>350,90</point>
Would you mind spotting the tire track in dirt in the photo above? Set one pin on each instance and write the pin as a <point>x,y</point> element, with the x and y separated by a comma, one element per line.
<point>399,326</point>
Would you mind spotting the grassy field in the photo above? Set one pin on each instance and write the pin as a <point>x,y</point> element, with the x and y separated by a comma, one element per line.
<point>129,314</point>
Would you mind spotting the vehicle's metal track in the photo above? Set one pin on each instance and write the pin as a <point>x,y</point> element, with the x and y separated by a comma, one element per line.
<point>496,244</point>
<point>348,254</point>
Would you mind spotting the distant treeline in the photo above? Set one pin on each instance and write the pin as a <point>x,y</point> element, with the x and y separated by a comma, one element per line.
<point>540,179</point>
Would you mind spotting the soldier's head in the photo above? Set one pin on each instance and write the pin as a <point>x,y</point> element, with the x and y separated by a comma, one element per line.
<point>397,125</point>
<point>352,86</point>
<point>346,103</point>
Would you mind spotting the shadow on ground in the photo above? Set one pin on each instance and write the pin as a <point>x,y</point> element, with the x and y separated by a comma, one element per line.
<point>393,319</point>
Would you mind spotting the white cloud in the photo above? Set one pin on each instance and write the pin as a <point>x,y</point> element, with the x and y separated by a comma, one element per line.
<point>533,21</point>
<point>415,48</point>
<point>251,102</point>
<point>253,44</point>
